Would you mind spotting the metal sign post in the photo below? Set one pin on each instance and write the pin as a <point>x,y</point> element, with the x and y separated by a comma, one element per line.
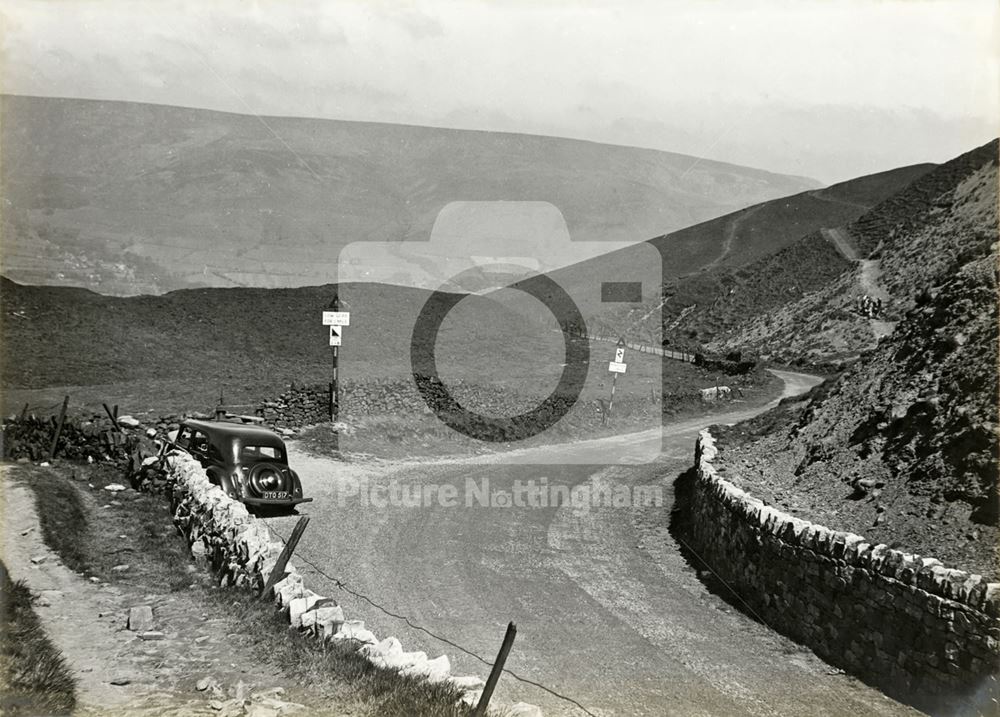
<point>616,367</point>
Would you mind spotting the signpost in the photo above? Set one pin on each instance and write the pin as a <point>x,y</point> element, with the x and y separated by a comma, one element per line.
<point>336,320</point>
<point>616,367</point>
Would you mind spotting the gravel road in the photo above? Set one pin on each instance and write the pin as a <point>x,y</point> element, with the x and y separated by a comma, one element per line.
<point>608,611</point>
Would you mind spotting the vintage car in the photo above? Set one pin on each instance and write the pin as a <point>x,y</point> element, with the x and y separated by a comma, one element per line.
<point>248,462</point>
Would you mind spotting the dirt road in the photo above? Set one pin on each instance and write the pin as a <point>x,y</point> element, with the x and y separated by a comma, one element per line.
<point>608,612</point>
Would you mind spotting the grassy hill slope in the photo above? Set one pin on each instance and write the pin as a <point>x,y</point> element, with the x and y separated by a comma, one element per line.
<point>130,198</point>
<point>178,351</point>
<point>770,251</point>
<point>799,301</point>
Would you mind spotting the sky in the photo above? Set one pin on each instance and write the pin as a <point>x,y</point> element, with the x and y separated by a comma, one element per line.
<point>824,89</point>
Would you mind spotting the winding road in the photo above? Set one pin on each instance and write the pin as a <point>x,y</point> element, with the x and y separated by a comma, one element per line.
<point>609,613</point>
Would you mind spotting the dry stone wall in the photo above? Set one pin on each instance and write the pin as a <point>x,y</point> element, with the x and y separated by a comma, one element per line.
<point>917,629</point>
<point>301,406</point>
<point>240,549</point>
<point>307,405</point>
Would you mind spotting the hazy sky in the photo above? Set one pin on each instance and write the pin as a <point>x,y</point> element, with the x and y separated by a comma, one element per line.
<point>825,89</point>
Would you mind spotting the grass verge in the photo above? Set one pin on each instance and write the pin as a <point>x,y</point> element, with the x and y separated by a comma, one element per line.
<point>335,667</point>
<point>34,676</point>
<point>96,532</point>
<point>62,516</point>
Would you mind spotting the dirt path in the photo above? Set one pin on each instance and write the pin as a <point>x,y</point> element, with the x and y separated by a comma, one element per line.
<point>818,194</point>
<point>730,236</point>
<point>117,672</point>
<point>843,243</point>
<point>79,617</point>
<point>869,276</point>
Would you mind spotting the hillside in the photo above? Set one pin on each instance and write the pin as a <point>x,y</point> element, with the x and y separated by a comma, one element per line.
<point>771,251</point>
<point>893,252</point>
<point>901,448</point>
<point>799,301</point>
<point>59,336</point>
<point>129,198</point>
<point>179,351</point>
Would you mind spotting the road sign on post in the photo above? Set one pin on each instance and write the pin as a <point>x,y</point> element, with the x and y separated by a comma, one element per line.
<point>616,367</point>
<point>336,318</point>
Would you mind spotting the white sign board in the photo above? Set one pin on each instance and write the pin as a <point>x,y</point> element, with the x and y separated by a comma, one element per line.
<point>616,367</point>
<point>336,332</point>
<point>620,354</point>
<point>336,318</point>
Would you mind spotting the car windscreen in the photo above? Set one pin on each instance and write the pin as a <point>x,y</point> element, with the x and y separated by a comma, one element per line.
<point>250,453</point>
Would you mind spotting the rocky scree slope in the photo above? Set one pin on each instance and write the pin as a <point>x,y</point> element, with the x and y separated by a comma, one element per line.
<point>902,447</point>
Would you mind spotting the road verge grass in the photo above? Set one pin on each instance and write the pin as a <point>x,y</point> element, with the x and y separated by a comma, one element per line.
<point>334,666</point>
<point>34,677</point>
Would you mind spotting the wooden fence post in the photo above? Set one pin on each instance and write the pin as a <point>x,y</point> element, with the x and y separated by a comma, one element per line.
<point>114,421</point>
<point>59,426</point>
<point>286,553</point>
<point>491,682</point>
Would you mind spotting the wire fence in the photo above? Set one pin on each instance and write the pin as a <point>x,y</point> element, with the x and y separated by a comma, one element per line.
<point>340,584</point>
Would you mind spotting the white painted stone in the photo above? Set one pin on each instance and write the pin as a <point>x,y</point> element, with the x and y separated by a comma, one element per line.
<point>315,617</point>
<point>523,709</point>
<point>434,670</point>
<point>388,647</point>
<point>140,618</point>
<point>471,697</point>
<point>298,606</point>
<point>467,682</point>
<point>355,630</point>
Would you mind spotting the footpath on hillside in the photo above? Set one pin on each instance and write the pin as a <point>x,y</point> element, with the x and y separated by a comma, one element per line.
<point>869,276</point>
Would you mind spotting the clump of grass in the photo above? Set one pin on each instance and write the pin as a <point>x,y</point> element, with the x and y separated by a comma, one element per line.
<point>335,667</point>
<point>63,518</point>
<point>34,676</point>
<point>65,509</point>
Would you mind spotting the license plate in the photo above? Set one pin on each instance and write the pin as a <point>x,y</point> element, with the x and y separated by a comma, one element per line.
<point>275,494</point>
